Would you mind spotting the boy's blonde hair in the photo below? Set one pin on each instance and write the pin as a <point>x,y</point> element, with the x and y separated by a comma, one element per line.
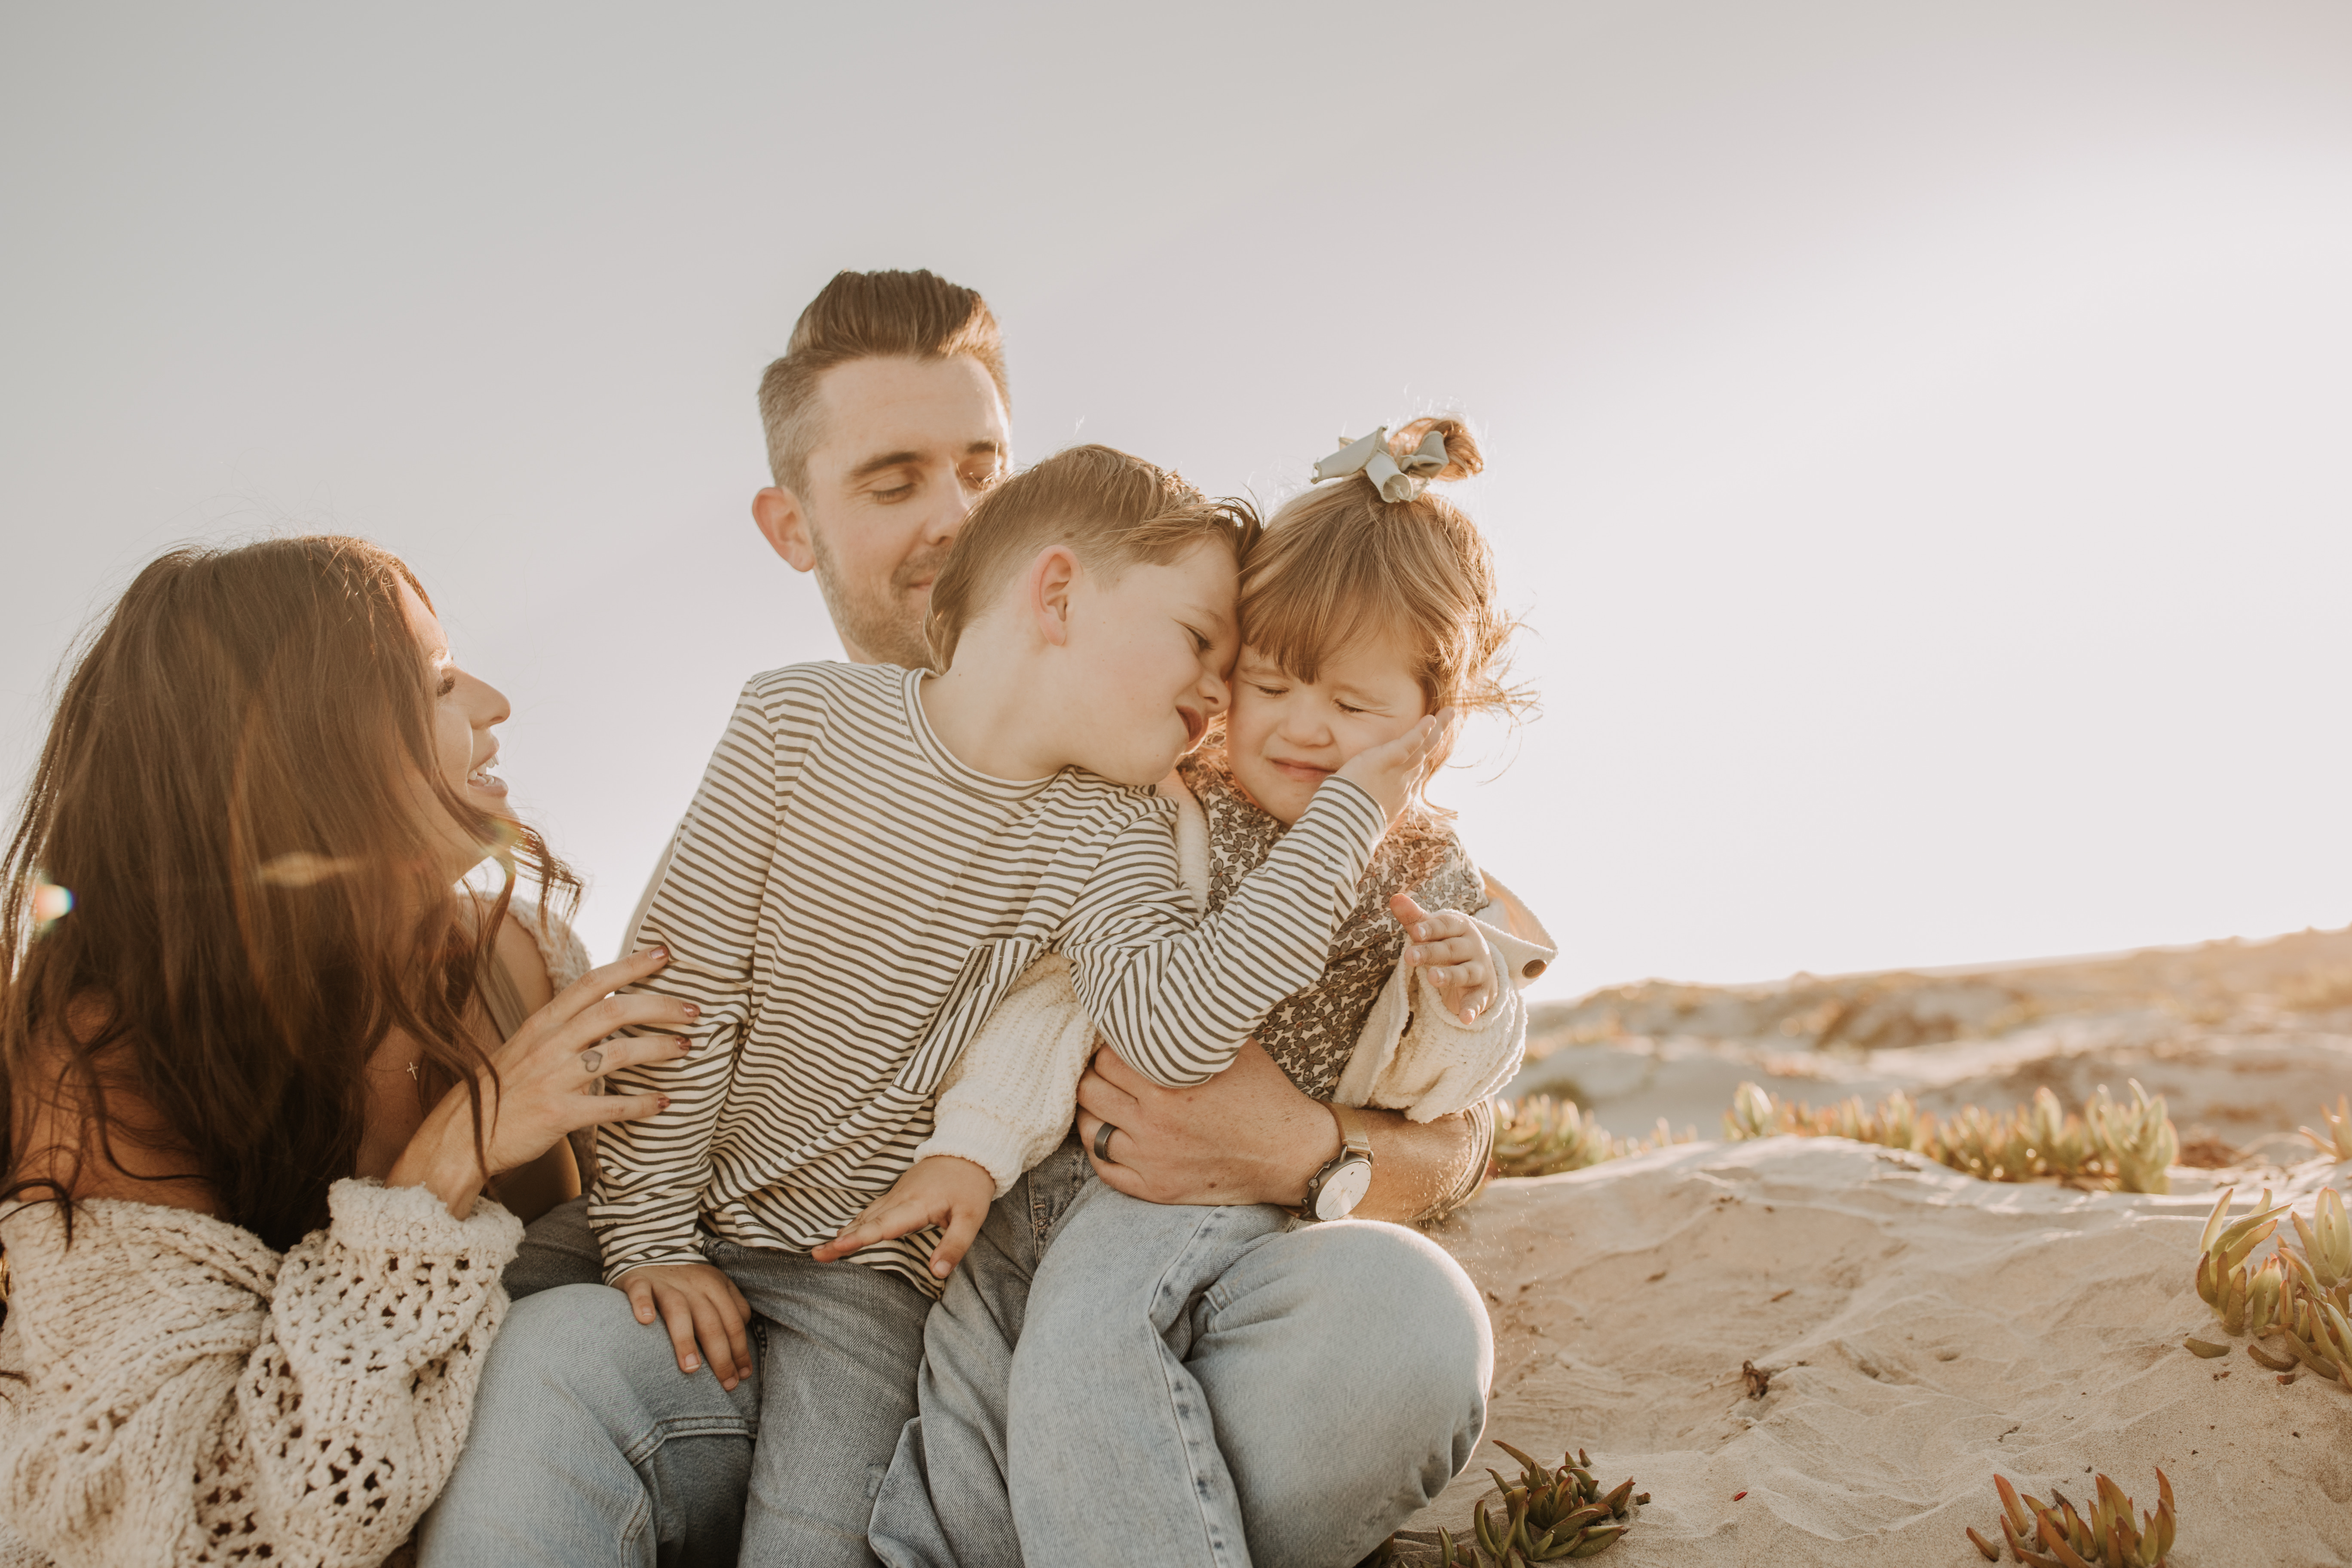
<point>1338,564</point>
<point>1112,509</point>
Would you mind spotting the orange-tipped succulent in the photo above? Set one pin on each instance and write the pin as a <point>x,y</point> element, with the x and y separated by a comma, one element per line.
<point>2298,1306</point>
<point>2056,1535</point>
<point>1547,1516</point>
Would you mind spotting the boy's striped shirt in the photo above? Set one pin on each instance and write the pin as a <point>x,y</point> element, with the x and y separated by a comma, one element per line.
<point>845,901</point>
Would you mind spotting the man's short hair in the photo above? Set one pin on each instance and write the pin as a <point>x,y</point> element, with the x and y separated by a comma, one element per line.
<point>1112,509</point>
<point>868,315</point>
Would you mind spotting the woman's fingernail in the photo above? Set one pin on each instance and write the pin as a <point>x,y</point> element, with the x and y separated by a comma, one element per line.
<point>693,1010</point>
<point>665,1101</point>
<point>662,953</point>
<point>684,1045</point>
<point>691,1363</point>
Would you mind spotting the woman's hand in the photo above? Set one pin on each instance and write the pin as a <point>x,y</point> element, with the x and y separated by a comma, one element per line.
<point>945,1190</point>
<point>546,1082</point>
<point>1448,948</point>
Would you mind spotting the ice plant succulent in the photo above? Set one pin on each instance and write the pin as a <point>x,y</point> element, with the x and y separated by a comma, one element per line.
<point>1540,1136</point>
<point>2336,1142</point>
<point>2294,1306</point>
<point>2127,1147</point>
<point>2057,1535</point>
<point>1547,1516</point>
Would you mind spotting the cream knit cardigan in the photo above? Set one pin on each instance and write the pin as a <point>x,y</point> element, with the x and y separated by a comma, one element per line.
<point>190,1396</point>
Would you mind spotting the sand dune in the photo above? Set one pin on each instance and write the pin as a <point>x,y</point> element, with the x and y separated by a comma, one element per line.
<point>1922,1329</point>
<point>2243,1039</point>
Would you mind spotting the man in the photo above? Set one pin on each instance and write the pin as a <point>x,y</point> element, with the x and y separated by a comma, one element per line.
<point>1348,1385</point>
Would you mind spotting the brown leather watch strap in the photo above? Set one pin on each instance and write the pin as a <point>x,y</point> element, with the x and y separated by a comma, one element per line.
<point>1353,1138</point>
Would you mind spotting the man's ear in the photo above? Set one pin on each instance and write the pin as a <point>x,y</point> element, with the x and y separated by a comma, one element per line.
<point>1050,580</point>
<point>785,526</point>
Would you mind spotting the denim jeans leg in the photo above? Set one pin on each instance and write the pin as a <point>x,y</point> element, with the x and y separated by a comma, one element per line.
<point>837,1378</point>
<point>944,1503</point>
<point>1102,1403</point>
<point>588,1445</point>
<point>558,1249</point>
<point>1348,1365</point>
<point>1250,1390</point>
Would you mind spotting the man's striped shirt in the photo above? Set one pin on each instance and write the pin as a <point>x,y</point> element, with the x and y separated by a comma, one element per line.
<point>845,901</point>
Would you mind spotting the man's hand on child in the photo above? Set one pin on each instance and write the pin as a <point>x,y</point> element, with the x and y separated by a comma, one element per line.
<point>1390,774</point>
<point>696,1302</point>
<point>945,1191</point>
<point>1449,949</point>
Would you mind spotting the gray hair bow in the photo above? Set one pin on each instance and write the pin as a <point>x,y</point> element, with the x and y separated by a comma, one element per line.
<point>1397,478</point>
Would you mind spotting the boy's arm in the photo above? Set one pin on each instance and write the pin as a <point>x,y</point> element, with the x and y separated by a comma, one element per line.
<point>1177,1000</point>
<point>705,908</point>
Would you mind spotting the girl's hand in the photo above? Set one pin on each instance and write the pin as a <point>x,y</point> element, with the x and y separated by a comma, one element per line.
<point>1390,774</point>
<point>943,1189</point>
<point>696,1302</point>
<point>546,1082</point>
<point>1449,948</point>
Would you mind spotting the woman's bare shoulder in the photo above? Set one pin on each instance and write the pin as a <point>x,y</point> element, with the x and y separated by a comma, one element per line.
<point>63,1145</point>
<point>519,950</point>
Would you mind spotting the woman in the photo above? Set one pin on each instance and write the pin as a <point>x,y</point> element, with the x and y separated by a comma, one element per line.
<point>259,1108</point>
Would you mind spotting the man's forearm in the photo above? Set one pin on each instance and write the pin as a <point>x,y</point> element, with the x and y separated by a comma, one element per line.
<point>1418,1167</point>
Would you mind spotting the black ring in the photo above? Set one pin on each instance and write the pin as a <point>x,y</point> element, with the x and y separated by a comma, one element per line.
<point>1102,1143</point>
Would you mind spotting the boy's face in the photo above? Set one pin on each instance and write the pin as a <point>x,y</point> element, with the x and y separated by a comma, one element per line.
<point>1286,736</point>
<point>1153,649</point>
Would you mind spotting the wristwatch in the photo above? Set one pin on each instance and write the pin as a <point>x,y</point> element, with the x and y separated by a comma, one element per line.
<point>1334,1191</point>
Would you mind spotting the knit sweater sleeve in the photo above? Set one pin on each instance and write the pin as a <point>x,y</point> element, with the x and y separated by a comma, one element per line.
<point>189,1396</point>
<point>1008,1099</point>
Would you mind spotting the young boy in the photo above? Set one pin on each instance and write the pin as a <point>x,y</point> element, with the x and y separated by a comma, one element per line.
<point>873,856</point>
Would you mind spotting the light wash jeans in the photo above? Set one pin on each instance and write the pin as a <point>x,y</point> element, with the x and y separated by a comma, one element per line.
<point>1110,1382</point>
<point>588,1445</point>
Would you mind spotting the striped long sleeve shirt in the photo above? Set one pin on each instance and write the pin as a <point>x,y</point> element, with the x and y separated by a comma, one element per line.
<point>846,901</point>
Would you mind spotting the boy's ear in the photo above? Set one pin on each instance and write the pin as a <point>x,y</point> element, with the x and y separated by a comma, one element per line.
<point>785,524</point>
<point>1051,578</point>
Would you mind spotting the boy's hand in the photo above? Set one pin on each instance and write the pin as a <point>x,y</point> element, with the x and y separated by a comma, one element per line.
<point>696,1302</point>
<point>1449,947</point>
<point>1390,774</point>
<point>945,1191</point>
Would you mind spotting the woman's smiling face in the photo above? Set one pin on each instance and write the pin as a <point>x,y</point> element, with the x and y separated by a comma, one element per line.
<point>1285,736</point>
<point>464,710</point>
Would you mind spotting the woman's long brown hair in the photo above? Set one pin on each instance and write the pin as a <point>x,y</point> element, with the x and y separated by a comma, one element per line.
<point>229,793</point>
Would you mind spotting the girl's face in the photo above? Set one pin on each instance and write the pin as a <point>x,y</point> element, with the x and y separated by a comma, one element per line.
<point>463,710</point>
<point>1285,736</point>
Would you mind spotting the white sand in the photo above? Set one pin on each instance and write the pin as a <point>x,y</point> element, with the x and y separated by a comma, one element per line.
<point>1929,1331</point>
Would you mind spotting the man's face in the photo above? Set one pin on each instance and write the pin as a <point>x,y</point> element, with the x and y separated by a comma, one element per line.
<point>903,449</point>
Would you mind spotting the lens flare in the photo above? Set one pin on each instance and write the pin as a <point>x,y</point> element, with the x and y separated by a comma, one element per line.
<point>51,902</point>
<point>303,869</point>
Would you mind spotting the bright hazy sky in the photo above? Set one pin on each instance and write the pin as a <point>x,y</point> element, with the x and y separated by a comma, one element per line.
<point>1917,432</point>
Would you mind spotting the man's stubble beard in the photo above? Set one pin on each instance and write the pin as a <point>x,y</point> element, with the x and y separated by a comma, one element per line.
<point>880,624</point>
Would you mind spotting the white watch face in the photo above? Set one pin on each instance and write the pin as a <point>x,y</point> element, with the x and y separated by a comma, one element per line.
<point>1343,1189</point>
